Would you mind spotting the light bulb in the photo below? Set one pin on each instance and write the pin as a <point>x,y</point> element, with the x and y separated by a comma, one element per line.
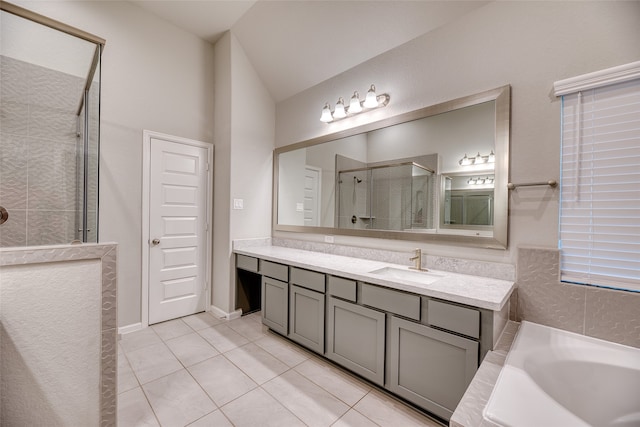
<point>479,159</point>
<point>326,114</point>
<point>339,112</point>
<point>354,104</point>
<point>492,157</point>
<point>465,161</point>
<point>371,101</point>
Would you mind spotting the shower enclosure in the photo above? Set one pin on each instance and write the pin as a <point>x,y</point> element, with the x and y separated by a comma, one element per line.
<point>49,130</point>
<point>386,197</point>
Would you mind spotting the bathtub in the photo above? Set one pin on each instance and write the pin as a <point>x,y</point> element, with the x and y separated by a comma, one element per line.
<point>557,378</point>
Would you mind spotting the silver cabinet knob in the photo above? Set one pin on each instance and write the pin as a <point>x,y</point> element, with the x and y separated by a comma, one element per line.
<point>155,242</point>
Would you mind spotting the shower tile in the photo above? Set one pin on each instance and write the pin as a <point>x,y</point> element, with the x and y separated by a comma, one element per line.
<point>14,231</point>
<point>14,117</point>
<point>53,89</point>
<point>52,180</point>
<point>613,316</point>
<point>13,80</point>
<point>51,124</point>
<point>49,227</point>
<point>13,172</point>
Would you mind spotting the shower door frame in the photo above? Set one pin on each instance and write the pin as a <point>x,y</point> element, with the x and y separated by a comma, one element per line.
<point>95,64</point>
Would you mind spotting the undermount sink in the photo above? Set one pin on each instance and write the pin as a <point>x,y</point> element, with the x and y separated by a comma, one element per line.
<point>424,277</point>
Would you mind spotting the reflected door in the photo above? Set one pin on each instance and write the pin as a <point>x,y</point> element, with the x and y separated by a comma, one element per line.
<point>177,229</point>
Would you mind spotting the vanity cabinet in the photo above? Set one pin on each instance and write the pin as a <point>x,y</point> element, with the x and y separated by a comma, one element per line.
<point>275,296</point>
<point>307,309</point>
<point>429,367</point>
<point>422,349</point>
<point>356,338</point>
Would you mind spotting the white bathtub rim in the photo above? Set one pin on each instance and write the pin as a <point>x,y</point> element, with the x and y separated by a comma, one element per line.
<point>517,400</point>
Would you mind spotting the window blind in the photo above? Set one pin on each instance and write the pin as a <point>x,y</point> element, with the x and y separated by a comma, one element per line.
<point>600,186</point>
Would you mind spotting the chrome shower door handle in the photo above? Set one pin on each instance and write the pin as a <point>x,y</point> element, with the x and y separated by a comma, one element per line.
<point>155,242</point>
<point>4,215</point>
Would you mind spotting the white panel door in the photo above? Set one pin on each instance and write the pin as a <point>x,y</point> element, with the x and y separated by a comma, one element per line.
<point>177,229</point>
<point>312,196</point>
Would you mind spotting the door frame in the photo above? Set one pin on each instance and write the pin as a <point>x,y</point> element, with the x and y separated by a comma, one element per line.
<point>318,193</point>
<point>147,136</point>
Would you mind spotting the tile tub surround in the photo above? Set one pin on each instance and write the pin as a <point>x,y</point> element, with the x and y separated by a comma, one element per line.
<point>482,292</point>
<point>107,255</point>
<point>469,410</point>
<point>541,298</point>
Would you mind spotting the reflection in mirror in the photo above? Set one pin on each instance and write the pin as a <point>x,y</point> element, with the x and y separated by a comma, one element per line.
<point>386,197</point>
<point>467,202</point>
<point>409,177</point>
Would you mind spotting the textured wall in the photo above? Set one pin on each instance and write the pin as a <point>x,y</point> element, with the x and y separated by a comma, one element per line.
<point>38,153</point>
<point>540,297</point>
<point>51,343</point>
<point>58,337</point>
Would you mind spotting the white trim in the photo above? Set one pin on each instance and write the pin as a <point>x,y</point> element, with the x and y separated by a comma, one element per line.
<point>122,330</point>
<point>221,314</point>
<point>619,74</point>
<point>146,170</point>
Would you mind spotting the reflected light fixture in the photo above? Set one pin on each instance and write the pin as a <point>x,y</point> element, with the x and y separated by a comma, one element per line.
<point>477,159</point>
<point>372,100</point>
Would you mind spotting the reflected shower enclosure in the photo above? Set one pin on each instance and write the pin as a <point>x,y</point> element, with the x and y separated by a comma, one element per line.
<point>49,130</point>
<point>387,197</point>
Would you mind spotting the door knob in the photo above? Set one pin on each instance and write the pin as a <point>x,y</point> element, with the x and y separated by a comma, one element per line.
<point>155,242</point>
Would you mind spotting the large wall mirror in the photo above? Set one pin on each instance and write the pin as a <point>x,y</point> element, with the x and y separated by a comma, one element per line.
<point>435,174</point>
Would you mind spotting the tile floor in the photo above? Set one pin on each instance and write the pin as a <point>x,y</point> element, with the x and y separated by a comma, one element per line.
<point>202,371</point>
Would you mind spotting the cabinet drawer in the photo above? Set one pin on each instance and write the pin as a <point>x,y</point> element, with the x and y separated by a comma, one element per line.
<point>342,288</point>
<point>247,263</point>
<point>465,321</point>
<point>396,302</point>
<point>308,279</point>
<point>274,270</point>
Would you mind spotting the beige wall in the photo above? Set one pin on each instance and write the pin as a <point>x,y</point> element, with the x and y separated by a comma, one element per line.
<point>528,45</point>
<point>244,126</point>
<point>155,76</point>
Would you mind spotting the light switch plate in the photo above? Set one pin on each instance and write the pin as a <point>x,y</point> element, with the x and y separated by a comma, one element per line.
<point>328,239</point>
<point>299,207</point>
<point>238,203</point>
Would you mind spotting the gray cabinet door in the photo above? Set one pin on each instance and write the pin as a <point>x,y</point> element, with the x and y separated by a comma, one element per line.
<point>355,338</point>
<point>275,307</point>
<point>429,367</point>
<point>306,318</point>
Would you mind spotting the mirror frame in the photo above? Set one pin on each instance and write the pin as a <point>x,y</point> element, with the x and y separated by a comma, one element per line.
<point>502,98</point>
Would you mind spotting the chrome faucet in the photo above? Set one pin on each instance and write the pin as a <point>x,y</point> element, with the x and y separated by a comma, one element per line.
<point>418,260</point>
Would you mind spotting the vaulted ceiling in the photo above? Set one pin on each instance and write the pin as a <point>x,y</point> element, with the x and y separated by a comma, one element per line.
<point>297,44</point>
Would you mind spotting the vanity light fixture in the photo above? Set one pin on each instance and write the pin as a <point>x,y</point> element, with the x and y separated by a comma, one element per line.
<point>354,104</point>
<point>372,100</point>
<point>339,112</point>
<point>477,159</point>
<point>326,114</point>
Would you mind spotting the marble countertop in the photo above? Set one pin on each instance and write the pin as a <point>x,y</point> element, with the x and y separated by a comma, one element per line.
<point>482,292</point>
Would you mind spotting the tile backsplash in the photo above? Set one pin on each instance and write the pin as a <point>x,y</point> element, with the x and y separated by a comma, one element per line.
<point>540,297</point>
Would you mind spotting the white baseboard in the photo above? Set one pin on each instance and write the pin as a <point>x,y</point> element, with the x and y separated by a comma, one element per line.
<point>220,313</point>
<point>129,328</point>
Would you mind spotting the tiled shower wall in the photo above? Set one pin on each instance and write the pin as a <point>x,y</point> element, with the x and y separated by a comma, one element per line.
<point>540,297</point>
<point>37,153</point>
